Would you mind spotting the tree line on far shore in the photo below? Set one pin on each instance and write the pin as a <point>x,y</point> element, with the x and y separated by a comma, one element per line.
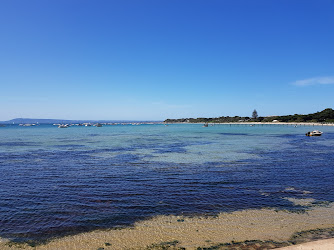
<point>325,116</point>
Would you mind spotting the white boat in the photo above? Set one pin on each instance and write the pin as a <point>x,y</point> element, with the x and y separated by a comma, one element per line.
<point>63,126</point>
<point>314,133</point>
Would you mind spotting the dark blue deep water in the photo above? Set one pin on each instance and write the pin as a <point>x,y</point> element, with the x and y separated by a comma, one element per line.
<point>63,181</point>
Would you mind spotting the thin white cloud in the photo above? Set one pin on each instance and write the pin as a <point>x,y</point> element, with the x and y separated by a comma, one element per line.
<point>315,81</point>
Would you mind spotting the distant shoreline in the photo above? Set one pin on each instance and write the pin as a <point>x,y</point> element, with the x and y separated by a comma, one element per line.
<point>259,123</point>
<point>325,116</point>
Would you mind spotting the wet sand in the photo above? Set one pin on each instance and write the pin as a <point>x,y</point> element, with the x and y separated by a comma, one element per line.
<point>194,232</point>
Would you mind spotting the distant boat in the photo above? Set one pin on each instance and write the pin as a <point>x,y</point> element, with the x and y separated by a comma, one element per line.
<point>205,125</point>
<point>98,125</point>
<point>314,133</point>
<point>63,126</point>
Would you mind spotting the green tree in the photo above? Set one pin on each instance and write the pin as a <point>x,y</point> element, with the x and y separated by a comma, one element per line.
<point>254,114</point>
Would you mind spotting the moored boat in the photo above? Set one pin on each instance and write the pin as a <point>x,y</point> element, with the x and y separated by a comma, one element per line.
<point>314,133</point>
<point>63,126</point>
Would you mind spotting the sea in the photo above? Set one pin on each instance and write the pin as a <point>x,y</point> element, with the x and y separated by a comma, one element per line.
<point>61,181</point>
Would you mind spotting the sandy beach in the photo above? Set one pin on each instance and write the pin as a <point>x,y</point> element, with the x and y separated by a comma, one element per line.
<point>260,227</point>
<point>327,244</point>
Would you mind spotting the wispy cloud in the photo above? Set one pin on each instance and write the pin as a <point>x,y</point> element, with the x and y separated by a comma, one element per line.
<point>315,81</point>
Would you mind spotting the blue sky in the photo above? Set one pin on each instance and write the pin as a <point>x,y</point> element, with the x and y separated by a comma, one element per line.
<point>157,59</point>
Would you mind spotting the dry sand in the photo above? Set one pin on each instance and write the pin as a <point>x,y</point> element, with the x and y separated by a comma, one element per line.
<point>327,244</point>
<point>190,233</point>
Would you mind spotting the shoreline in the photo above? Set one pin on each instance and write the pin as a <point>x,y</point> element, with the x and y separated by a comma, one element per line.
<point>326,244</point>
<point>266,227</point>
<point>259,123</point>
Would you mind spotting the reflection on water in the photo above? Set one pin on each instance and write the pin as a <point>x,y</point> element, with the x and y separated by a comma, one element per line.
<point>57,181</point>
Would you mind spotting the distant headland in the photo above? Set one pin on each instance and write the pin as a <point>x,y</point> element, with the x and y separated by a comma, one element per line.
<point>51,121</point>
<point>325,116</point>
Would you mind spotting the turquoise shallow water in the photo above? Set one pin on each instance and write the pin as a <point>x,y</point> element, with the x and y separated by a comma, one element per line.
<point>60,181</point>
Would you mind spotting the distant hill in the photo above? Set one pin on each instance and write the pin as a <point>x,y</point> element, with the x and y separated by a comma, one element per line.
<point>327,115</point>
<point>52,121</point>
<point>31,120</point>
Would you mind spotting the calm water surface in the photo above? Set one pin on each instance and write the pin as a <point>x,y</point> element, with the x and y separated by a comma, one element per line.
<point>60,181</point>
